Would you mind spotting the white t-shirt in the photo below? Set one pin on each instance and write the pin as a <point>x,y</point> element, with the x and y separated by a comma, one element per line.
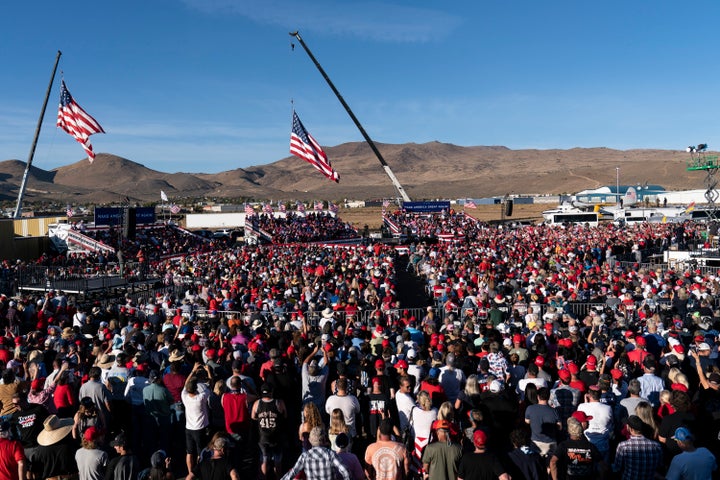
<point>602,421</point>
<point>350,407</point>
<point>523,383</point>
<point>404,403</point>
<point>196,408</point>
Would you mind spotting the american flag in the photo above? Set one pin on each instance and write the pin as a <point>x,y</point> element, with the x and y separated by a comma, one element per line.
<point>318,206</point>
<point>333,208</point>
<point>300,207</point>
<point>385,204</point>
<point>303,145</point>
<point>282,207</point>
<point>267,208</point>
<point>175,209</point>
<point>69,211</point>
<point>76,121</point>
<point>470,204</point>
<point>249,210</point>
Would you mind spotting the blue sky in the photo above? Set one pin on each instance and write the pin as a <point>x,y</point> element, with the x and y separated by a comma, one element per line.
<point>206,85</point>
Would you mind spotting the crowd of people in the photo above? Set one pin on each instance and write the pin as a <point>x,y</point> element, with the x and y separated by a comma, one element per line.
<point>304,364</point>
<point>304,228</point>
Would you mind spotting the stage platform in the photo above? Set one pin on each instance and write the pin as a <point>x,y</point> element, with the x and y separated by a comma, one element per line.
<point>91,287</point>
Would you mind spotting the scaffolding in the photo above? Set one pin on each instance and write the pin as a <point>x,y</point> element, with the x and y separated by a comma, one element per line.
<point>700,161</point>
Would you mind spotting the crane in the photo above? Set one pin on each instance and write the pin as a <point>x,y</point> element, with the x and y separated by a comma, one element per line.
<point>386,167</point>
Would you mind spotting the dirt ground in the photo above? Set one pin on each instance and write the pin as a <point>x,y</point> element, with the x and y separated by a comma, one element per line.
<point>372,216</point>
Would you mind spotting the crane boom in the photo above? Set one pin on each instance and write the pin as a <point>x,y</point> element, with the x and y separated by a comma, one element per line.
<point>375,150</point>
<point>23,184</point>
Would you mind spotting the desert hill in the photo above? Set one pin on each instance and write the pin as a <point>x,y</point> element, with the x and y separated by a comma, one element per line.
<point>427,171</point>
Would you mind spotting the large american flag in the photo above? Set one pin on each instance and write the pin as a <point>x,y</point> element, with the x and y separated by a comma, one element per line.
<point>470,204</point>
<point>318,206</point>
<point>282,207</point>
<point>267,208</point>
<point>249,210</point>
<point>300,207</point>
<point>175,209</point>
<point>69,211</point>
<point>76,121</point>
<point>303,145</point>
<point>333,207</point>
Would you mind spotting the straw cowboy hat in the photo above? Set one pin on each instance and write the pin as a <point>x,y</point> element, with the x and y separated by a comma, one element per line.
<point>54,430</point>
<point>327,313</point>
<point>105,361</point>
<point>176,356</point>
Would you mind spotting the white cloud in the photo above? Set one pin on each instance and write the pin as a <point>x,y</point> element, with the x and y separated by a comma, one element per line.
<point>372,20</point>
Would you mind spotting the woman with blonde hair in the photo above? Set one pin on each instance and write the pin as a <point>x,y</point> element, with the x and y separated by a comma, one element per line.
<point>645,411</point>
<point>469,397</point>
<point>337,426</point>
<point>422,417</point>
<point>311,419</point>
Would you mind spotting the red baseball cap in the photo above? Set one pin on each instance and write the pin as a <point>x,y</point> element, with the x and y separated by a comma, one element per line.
<point>591,361</point>
<point>479,438</point>
<point>640,341</point>
<point>379,364</point>
<point>401,364</point>
<point>581,416</point>
<point>441,425</point>
<point>616,374</point>
<point>564,374</point>
<point>539,361</point>
<point>573,368</point>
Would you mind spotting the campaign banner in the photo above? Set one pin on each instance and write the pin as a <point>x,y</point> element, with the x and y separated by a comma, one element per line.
<point>114,215</point>
<point>144,215</point>
<point>108,216</point>
<point>426,207</point>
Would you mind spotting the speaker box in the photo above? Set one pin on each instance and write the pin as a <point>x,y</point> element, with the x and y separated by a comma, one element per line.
<point>508,208</point>
<point>129,223</point>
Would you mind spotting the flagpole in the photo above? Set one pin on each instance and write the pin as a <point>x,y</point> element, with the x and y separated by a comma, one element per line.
<point>21,193</point>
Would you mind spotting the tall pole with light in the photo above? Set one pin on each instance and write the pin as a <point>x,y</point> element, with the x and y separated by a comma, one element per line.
<point>617,185</point>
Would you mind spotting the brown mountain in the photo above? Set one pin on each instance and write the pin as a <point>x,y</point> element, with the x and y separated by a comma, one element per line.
<point>429,170</point>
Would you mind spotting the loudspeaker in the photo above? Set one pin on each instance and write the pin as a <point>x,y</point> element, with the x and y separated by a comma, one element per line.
<point>508,208</point>
<point>129,223</point>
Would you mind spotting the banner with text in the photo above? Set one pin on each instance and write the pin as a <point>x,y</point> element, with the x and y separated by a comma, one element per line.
<point>426,207</point>
<point>114,215</point>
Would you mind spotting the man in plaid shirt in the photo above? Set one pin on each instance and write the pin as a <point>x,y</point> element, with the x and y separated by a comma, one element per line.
<point>637,458</point>
<point>318,463</point>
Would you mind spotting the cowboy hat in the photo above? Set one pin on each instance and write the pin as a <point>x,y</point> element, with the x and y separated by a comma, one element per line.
<point>54,430</point>
<point>105,361</point>
<point>176,356</point>
<point>327,313</point>
<point>257,323</point>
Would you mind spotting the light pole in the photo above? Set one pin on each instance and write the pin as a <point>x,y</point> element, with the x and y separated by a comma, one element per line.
<point>617,185</point>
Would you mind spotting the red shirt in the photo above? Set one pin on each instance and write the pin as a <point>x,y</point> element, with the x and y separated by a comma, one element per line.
<point>175,382</point>
<point>11,453</point>
<point>64,396</point>
<point>237,412</point>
